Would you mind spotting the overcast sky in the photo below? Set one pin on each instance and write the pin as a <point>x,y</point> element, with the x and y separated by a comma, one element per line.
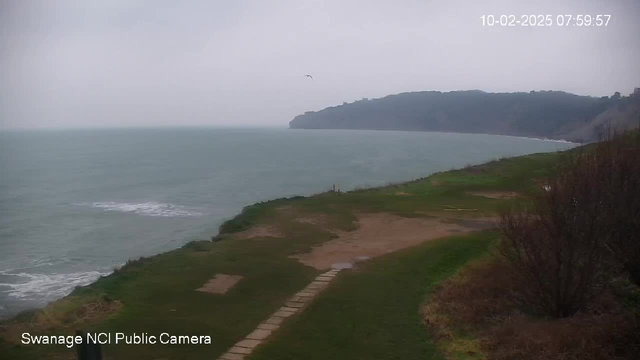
<point>67,63</point>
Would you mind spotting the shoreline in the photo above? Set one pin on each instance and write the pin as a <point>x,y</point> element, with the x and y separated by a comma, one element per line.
<point>275,248</point>
<point>99,274</point>
<point>563,141</point>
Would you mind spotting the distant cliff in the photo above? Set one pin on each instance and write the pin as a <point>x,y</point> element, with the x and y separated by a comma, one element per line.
<point>548,114</point>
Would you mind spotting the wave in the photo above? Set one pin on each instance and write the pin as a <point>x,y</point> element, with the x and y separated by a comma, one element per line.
<point>46,287</point>
<point>149,209</point>
<point>562,141</point>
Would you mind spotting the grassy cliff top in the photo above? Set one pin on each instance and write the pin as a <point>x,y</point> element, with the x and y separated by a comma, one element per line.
<point>416,233</point>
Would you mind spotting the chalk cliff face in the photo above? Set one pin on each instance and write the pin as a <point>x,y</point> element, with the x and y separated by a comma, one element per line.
<point>548,114</point>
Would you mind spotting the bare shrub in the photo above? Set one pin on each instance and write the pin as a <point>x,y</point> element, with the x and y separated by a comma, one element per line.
<point>556,246</point>
<point>618,162</point>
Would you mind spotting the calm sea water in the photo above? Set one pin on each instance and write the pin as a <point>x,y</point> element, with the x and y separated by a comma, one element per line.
<point>75,203</point>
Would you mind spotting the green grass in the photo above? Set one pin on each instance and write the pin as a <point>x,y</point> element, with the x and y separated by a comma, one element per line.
<point>374,312</point>
<point>157,293</point>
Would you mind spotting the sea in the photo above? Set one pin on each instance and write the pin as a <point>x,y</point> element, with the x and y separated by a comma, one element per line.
<point>74,204</point>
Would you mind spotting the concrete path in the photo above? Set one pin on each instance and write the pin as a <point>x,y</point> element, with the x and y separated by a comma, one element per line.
<point>295,304</point>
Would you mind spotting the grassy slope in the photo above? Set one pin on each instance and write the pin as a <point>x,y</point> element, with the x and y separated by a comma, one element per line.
<point>373,313</point>
<point>158,293</point>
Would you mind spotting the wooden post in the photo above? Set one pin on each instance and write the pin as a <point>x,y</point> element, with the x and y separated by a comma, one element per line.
<point>87,351</point>
<point>81,349</point>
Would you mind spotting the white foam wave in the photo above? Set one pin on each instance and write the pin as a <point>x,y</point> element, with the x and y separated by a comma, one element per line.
<point>47,287</point>
<point>149,209</point>
<point>562,141</point>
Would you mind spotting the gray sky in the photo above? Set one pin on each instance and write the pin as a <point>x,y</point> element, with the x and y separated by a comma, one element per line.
<point>66,63</point>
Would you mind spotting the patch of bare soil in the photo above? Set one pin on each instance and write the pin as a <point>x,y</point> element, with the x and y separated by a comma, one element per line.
<point>401,193</point>
<point>500,195</point>
<point>220,284</point>
<point>380,234</point>
<point>316,220</point>
<point>258,231</point>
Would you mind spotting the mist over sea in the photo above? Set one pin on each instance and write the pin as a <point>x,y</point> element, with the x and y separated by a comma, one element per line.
<point>76,203</point>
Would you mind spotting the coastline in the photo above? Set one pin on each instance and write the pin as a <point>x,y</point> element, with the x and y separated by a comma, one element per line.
<point>563,141</point>
<point>266,244</point>
<point>119,213</point>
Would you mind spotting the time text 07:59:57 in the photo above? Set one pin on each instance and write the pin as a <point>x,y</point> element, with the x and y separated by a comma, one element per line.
<point>510,20</point>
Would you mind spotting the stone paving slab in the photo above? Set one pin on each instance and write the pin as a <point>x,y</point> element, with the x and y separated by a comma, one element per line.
<point>259,334</point>
<point>232,356</point>
<point>249,343</point>
<point>268,327</point>
<point>327,276</point>
<point>316,285</point>
<point>274,320</point>
<point>283,314</point>
<point>288,307</point>
<point>245,347</point>
<point>294,304</point>
<point>240,350</point>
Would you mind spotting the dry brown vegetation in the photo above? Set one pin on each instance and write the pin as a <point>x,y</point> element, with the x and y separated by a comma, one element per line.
<point>473,314</point>
<point>63,314</point>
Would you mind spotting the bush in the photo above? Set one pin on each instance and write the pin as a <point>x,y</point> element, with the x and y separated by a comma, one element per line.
<point>618,162</point>
<point>584,227</point>
<point>557,245</point>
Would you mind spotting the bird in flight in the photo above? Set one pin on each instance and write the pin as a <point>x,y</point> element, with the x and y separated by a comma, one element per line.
<point>309,76</point>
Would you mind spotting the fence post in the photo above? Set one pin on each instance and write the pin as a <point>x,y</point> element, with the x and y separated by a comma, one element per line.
<point>86,350</point>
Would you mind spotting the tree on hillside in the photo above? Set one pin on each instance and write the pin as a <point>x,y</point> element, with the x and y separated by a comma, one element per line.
<point>581,231</point>
<point>618,162</point>
<point>556,245</point>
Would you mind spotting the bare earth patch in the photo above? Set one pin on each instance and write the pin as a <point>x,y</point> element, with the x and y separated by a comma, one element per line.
<point>220,284</point>
<point>258,232</point>
<point>313,220</point>
<point>380,234</point>
<point>284,208</point>
<point>401,193</point>
<point>500,195</point>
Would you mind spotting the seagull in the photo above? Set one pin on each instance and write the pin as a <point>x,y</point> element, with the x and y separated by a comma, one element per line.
<point>309,76</point>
